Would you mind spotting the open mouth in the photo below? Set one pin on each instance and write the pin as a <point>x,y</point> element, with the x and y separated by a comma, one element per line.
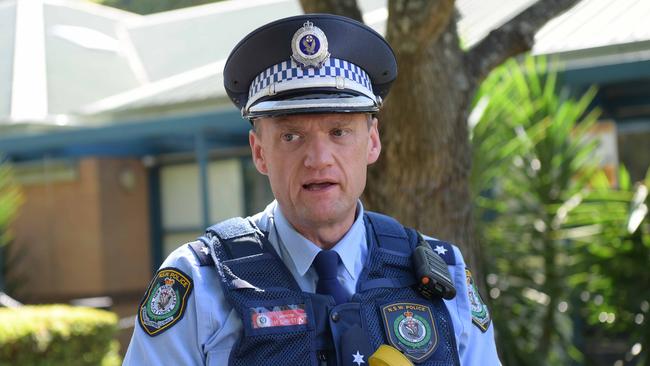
<point>318,186</point>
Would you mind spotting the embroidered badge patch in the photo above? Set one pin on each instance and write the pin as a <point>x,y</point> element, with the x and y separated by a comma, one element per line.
<point>480,314</point>
<point>165,301</point>
<point>411,329</point>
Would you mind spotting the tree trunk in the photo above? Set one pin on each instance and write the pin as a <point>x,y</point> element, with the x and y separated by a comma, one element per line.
<point>422,177</point>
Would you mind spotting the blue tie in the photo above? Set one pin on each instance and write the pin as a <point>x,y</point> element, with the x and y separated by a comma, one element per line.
<point>326,265</point>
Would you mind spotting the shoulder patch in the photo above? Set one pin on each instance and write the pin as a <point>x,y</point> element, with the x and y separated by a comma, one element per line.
<point>480,313</point>
<point>165,301</point>
<point>444,250</point>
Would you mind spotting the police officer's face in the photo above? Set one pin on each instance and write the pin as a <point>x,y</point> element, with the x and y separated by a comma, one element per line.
<point>316,163</point>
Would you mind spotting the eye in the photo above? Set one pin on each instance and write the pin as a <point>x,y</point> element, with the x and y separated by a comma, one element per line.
<point>289,137</point>
<point>339,132</point>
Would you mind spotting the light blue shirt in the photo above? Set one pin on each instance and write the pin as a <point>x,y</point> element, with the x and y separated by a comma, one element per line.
<point>210,326</point>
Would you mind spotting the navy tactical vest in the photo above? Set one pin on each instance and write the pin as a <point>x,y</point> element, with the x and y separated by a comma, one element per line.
<point>282,325</point>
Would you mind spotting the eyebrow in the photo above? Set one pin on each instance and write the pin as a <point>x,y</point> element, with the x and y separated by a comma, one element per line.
<point>340,123</point>
<point>286,123</point>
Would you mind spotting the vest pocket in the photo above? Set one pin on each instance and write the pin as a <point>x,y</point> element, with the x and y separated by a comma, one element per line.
<point>274,329</point>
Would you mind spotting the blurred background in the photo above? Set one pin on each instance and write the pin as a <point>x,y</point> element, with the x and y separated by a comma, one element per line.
<point>118,144</point>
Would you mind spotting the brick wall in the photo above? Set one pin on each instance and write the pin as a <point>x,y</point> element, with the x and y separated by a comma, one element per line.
<point>84,236</point>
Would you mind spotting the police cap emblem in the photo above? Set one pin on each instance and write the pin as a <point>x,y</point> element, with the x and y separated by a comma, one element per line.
<point>309,46</point>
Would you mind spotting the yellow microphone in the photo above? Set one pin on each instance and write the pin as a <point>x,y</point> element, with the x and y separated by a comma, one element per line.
<point>386,355</point>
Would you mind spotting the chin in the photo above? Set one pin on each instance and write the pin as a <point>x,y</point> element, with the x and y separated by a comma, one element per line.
<point>326,214</point>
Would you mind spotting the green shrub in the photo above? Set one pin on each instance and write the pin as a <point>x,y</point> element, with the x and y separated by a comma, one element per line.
<point>57,335</point>
<point>11,198</point>
<point>532,155</point>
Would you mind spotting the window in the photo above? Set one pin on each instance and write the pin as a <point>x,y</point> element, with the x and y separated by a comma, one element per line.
<point>181,202</point>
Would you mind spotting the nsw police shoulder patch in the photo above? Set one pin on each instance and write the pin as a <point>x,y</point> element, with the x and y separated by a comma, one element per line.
<point>165,301</point>
<point>480,314</point>
<point>411,329</point>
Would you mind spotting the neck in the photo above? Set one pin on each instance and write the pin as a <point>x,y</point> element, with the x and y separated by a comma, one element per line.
<point>324,235</point>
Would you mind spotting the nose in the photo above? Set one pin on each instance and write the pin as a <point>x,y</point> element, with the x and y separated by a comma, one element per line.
<point>319,153</point>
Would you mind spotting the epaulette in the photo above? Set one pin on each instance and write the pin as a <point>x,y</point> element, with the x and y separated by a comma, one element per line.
<point>444,250</point>
<point>201,252</point>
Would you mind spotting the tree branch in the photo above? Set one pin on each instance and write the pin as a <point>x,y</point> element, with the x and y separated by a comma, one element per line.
<point>512,38</point>
<point>348,8</point>
<point>418,22</point>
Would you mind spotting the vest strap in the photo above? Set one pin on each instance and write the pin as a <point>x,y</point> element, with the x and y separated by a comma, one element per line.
<point>390,233</point>
<point>387,283</point>
<point>238,236</point>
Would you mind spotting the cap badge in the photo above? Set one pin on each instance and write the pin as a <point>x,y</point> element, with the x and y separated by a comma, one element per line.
<point>309,46</point>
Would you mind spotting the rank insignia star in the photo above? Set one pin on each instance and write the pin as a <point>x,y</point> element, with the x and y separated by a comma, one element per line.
<point>358,358</point>
<point>440,250</point>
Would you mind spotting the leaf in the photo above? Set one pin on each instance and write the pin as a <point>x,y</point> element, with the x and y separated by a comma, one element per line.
<point>624,181</point>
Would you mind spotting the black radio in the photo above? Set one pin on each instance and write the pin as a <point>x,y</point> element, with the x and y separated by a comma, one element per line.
<point>432,273</point>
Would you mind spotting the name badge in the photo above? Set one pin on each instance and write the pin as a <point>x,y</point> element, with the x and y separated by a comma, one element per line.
<point>278,316</point>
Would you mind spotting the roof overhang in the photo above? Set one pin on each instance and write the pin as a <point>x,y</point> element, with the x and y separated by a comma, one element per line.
<point>173,133</point>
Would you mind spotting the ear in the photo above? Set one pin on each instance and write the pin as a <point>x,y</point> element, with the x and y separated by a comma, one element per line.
<point>374,144</point>
<point>258,152</point>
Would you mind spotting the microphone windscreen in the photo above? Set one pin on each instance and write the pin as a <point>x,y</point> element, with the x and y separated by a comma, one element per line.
<point>388,356</point>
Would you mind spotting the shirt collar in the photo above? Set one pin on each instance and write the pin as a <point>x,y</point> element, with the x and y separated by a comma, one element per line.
<point>303,251</point>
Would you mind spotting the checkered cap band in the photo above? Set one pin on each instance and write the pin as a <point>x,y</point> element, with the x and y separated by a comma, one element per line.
<point>289,70</point>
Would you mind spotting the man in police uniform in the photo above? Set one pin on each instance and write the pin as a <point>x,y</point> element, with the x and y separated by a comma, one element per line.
<point>313,279</point>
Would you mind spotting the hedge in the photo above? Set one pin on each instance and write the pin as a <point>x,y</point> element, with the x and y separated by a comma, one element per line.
<point>55,335</point>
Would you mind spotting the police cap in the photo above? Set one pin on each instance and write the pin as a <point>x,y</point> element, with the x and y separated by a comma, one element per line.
<point>310,63</point>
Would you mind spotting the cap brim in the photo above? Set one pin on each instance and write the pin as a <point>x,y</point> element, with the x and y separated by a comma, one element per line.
<point>337,104</point>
